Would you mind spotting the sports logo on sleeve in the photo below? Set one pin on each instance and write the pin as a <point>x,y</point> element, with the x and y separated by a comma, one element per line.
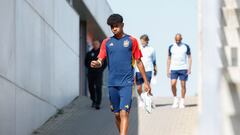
<point>111,44</point>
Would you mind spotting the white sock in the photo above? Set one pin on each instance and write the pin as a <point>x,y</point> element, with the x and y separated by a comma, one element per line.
<point>182,100</point>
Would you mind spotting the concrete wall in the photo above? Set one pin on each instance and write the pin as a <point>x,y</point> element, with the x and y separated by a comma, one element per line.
<point>210,112</point>
<point>220,43</point>
<point>230,55</point>
<point>39,62</point>
<point>100,10</point>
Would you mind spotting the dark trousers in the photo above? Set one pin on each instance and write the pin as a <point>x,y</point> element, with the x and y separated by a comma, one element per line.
<point>95,88</point>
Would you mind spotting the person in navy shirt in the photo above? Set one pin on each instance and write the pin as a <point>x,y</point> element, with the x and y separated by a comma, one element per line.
<point>121,52</point>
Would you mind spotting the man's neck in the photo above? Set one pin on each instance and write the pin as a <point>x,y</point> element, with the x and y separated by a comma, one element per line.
<point>95,49</point>
<point>179,43</point>
<point>145,45</point>
<point>119,35</point>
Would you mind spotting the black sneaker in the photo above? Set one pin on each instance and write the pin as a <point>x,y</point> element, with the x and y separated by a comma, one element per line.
<point>97,107</point>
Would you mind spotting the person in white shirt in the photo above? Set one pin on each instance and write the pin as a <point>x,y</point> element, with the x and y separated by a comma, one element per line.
<point>179,64</point>
<point>149,62</point>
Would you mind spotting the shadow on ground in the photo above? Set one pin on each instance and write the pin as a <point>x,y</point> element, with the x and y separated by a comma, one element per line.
<point>187,105</point>
<point>79,118</point>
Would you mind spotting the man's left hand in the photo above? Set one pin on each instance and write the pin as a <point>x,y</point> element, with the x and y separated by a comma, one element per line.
<point>189,72</point>
<point>155,72</point>
<point>147,88</point>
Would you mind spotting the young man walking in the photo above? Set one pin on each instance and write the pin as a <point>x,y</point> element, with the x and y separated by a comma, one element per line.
<point>179,66</point>
<point>121,51</point>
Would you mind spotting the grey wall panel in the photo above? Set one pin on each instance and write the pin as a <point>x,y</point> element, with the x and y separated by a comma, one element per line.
<point>61,18</point>
<point>7,39</point>
<point>47,67</point>
<point>7,67</point>
<point>65,23</point>
<point>30,112</point>
<point>44,8</point>
<point>7,108</point>
<point>66,77</point>
<point>33,52</point>
<point>39,62</point>
<point>38,59</point>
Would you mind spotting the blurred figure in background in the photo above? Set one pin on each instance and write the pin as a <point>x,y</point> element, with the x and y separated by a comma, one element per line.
<point>95,75</point>
<point>179,66</point>
<point>149,62</point>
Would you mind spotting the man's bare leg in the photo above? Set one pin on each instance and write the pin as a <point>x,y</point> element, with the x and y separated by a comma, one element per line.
<point>174,91</point>
<point>117,120</point>
<point>183,91</point>
<point>139,89</point>
<point>124,122</point>
<point>174,87</point>
<point>183,86</point>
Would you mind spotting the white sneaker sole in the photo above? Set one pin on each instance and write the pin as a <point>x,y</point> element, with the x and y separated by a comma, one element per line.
<point>181,107</point>
<point>173,106</point>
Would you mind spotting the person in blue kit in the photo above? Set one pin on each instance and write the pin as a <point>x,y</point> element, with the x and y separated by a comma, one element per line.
<point>121,51</point>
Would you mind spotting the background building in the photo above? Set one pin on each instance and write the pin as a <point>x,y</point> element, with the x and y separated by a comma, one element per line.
<point>219,81</point>
<point>230,57</point>
<point>42,47</point>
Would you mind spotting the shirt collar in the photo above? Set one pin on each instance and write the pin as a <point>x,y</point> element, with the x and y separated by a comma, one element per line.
<point>145,46</point>
<point>178,44</point>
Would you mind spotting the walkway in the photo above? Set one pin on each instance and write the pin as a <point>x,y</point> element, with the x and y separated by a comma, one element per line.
<point>79,118</point>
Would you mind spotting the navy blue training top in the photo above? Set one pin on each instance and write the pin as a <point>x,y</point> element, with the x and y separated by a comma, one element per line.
<point>121,55</point>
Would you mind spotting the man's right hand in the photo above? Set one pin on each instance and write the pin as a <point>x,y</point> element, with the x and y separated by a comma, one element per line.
<point>95,64</point>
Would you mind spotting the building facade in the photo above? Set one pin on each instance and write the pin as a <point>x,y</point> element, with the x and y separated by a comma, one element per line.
<point>219,82</point>
<point>42,47</point>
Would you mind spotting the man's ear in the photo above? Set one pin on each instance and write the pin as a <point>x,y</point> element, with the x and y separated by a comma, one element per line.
<point>122,24</point>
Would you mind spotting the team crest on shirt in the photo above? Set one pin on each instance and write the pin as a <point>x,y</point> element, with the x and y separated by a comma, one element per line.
<point>111,44</point>
<point>126,43</point>
<point>127,106</point>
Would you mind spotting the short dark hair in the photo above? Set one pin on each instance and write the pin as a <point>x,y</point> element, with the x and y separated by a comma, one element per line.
<point>145,37</point>
<point>179,34</point>
<point>114,19</point>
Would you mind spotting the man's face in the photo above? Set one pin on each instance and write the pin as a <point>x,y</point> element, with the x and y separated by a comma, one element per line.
<point>96,45</point>
<point>178,39</point>
<point>143,42</point>
<point>117,28</point>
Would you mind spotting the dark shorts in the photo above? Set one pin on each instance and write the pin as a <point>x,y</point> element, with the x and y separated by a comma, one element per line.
<point>120,98</point>
<point>139,79</point>
<point>182,74</point>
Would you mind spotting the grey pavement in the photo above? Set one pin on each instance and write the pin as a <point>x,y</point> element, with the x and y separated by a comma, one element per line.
<point>79,118</point>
